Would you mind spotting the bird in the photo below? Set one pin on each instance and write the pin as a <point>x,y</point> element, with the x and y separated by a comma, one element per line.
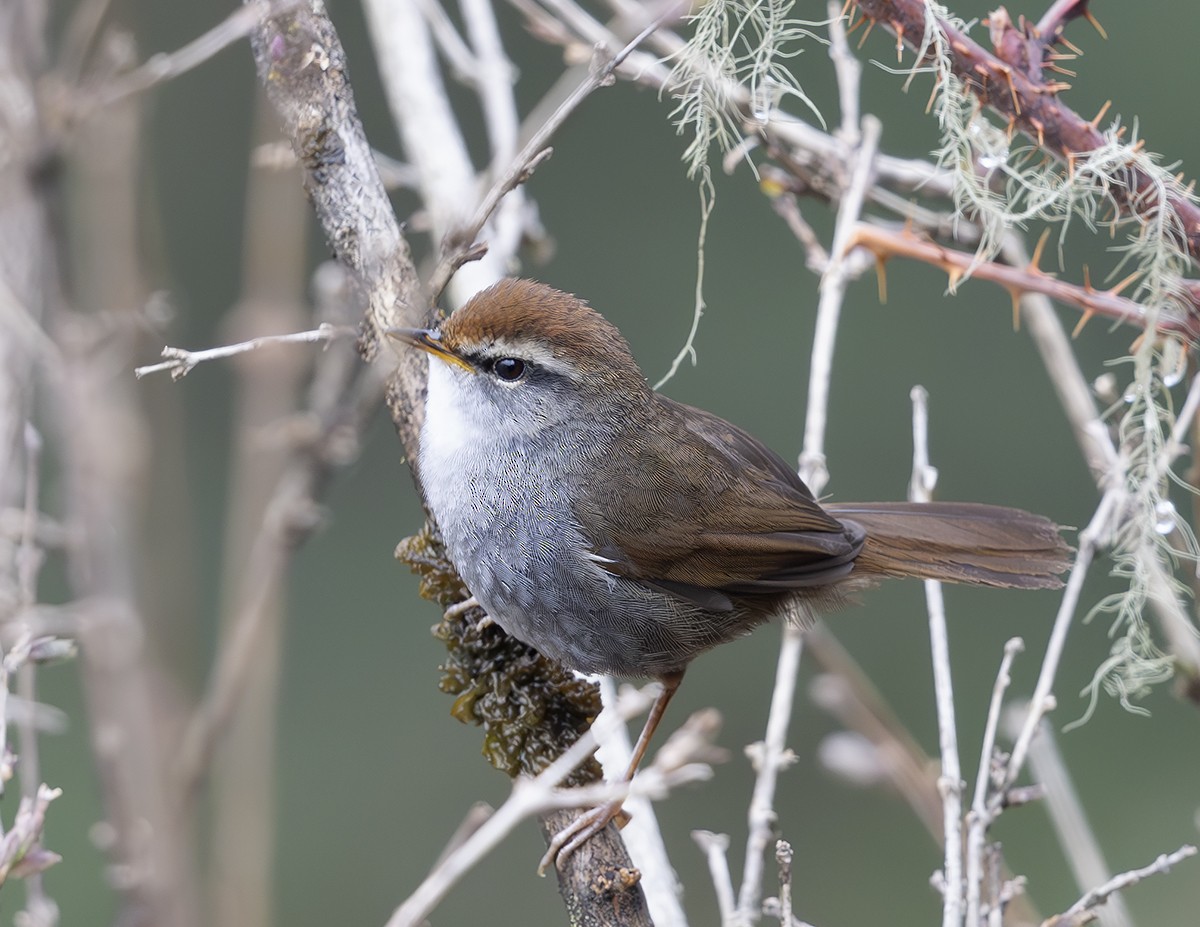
<point>619,531</point>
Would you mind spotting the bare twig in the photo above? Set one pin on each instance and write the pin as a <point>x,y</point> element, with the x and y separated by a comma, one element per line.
<point>1018,280</point>
<point>1075,835</point>
<point>1032,106</point>
<point>769,757</point>
<point>166,66</point>
<point>833,287</point>
<point>1078,913</point>
<point>531,154</point>
<point>715,847</point>
<point>429,129</point>
<point>641,834</point>
<point>531,797</point>
<point>181,361</point>
<point>977,818</point>
<point>924,479</point>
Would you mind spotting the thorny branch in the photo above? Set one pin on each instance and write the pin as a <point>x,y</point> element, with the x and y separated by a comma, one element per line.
<point>1017,91</point>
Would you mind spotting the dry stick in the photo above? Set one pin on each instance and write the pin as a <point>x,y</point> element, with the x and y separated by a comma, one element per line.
<point>977,835</point>
<point>1017,280</point>
<point>1031,106</point>
<point>815,474</point>
<point>715,847</point>
<point>429,129</point>
<point>119,648</point>
<point>501,119</point>
<point>532,154</point>
<point>1098,896</point>
<point>769,756</point>
<point>181,361</point>
<point>1090,539</point>
<point>924,479</point>
<point>268,388</point>
<point>1075,834</point>
<point>833,288</point>
<point>166,66</point>
<point>641,834</point>
<point>39,908</point>
<point>302,64</point>
<point>537,796</point>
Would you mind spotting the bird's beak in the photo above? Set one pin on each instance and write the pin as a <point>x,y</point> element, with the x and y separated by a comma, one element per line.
<point>428,340</point>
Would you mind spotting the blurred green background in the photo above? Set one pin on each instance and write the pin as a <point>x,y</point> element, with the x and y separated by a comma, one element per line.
<point>374,774</point>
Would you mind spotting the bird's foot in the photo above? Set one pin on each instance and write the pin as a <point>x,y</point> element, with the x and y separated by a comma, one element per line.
<point>579,832</point>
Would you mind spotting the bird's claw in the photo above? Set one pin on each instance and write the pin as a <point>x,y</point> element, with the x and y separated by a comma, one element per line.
<point>579,832</point>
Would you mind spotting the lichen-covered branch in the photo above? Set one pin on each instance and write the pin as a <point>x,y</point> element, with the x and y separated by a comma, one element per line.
<point>1028,103</point>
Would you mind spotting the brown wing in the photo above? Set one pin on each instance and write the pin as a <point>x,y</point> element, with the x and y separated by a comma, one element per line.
<point>753,527</point>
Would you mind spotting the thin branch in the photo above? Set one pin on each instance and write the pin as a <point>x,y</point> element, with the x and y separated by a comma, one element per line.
<point>769,757</point>
<point>430,130</point>
<point>1018,280</point>
<point>1075,835</point>
<point>181,361</point>
<point>1078,913</point>
<point>166,66</point>
<point>680,761</point>
<point>833,287</point>
<point>535,150</point>
<point>1032,106</point>
<point>977,819</point>
<point>1091,540</point>
<point>924,479</point>
<point>715,848</point>
<point>641,834</point>
<point>848,72</point>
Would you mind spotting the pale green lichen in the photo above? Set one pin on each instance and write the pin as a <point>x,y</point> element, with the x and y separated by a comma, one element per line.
<point>1000,187</point>
<point>737,47</point>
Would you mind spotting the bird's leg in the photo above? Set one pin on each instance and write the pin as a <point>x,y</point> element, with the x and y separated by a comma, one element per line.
<point>590,823</point>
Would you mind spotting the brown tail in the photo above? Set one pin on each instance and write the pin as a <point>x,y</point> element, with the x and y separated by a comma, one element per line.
<point>958,542</point>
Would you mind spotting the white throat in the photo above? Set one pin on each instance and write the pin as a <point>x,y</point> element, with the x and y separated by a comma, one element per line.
<point>451,423</point>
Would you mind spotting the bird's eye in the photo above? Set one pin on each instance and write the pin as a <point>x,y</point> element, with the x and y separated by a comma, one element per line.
<point>509,368</point>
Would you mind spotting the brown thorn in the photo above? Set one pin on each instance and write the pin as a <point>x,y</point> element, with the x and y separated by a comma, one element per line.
<point>1071,45</point>
<point>1038,250</point>
<point>1060,70</point>
<point>1083,320</point>
<point>933,95</point>
<point>1087,14</point>
<point>846,7</point>
<point>1121,131</point>
<point>1012,90</point>
<point>1100,115</point>
<point>1015,293</point>
<point>1087,280</point>
<point>881,276</point>
<point>1116,290</point>
<point>899,43</point>
<point>1070,159</point>
<point>1137,343</point>
<point>870,26</point>
<point>954,277</point>
<point>1037,124</point>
